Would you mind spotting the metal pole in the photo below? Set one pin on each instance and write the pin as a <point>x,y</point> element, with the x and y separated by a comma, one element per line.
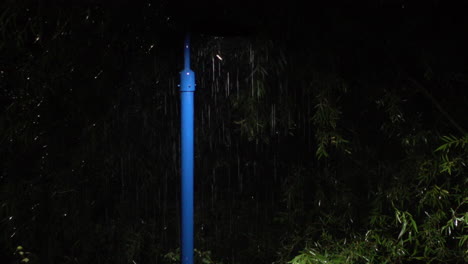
<point>187,90</point>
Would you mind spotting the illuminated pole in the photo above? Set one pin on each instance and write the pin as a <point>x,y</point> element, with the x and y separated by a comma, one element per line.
<point>187,90</point>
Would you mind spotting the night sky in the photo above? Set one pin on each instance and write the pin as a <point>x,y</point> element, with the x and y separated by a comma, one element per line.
<point>326,132</point>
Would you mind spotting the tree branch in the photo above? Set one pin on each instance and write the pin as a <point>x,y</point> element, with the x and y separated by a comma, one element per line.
<point>438,106</point>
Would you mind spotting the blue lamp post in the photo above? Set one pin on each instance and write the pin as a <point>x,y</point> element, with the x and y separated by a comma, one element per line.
<point>187,90</point>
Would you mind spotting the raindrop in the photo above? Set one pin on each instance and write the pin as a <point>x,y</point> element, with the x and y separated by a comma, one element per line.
<point>97,75</point>
<point>213,69</point>
<point>227,85</point>
<point>150,48</point>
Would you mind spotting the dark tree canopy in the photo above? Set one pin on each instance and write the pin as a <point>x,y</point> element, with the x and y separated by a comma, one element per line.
<point>331,133</point>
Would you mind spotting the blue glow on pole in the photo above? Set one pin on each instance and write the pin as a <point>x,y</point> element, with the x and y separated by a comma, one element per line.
<point>187,89</point>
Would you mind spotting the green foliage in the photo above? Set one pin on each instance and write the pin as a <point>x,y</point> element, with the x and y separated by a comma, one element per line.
<point>203,257</point>
<point>23,255</point>
<point>327,115</point>
<point>313,257</point>
<point>432,229</point>
<point>452,154</point>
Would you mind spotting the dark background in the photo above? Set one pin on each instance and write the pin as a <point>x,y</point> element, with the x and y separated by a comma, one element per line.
<point>319,124</point>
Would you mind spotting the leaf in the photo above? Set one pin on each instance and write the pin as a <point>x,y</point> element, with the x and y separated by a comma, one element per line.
<point>462,241</point>
<point>403,230</point>
<point>413,224</point>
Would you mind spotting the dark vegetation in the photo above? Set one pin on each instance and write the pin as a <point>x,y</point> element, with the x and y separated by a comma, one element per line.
<point>333,135</point>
